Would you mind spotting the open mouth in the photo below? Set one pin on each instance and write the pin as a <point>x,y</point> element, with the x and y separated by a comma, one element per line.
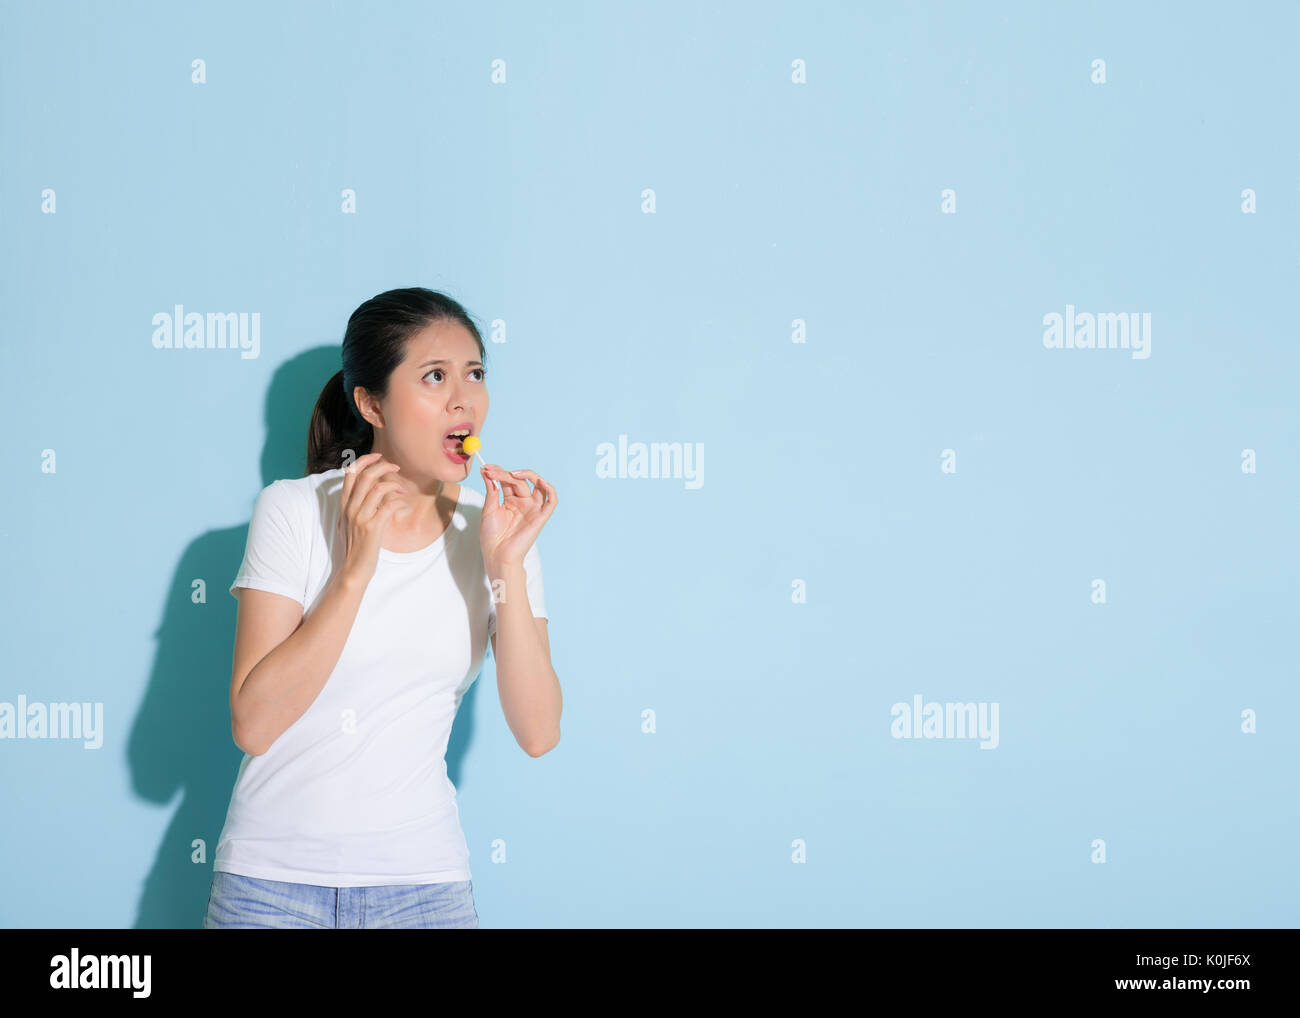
<point>452,444</point>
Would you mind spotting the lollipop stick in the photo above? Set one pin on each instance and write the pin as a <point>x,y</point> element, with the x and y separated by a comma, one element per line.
<point>472,445</point>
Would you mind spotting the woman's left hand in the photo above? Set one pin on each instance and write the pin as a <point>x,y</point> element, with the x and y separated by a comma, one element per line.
<point>508,530</point>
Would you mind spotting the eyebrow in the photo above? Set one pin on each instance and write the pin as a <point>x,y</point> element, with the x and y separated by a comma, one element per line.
<point>443,360</point>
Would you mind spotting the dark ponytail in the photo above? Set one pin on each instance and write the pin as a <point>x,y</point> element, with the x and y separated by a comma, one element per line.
<point>373,346</point>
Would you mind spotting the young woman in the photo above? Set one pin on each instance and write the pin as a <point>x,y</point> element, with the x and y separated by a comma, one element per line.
<point>367,595</point>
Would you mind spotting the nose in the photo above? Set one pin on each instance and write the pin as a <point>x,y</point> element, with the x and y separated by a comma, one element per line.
<point>462,396</point>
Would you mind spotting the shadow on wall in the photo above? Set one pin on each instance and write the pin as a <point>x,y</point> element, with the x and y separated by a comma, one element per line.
<point>181,740</point>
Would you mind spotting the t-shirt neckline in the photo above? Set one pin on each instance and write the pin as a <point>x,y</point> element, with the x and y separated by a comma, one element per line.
<point>429,549</point>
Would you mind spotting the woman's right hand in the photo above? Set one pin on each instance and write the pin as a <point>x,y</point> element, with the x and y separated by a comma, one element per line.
<point>368,502</point>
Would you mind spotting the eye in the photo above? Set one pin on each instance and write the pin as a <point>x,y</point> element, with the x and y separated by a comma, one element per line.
<point>482,373</point>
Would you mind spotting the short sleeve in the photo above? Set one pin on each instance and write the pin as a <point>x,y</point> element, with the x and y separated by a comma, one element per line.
<point>275,557</point>
<point>536,596</point>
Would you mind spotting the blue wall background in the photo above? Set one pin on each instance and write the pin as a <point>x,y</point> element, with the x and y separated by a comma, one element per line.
<point>771,791</point>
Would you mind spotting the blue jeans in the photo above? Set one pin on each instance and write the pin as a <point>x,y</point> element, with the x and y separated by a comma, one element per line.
<point>239,902</point>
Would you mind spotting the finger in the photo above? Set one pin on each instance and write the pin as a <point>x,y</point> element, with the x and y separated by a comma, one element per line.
<point>517,485</point>
<point>360,463</point>
<point>551,498</point>
<point>370,475</point>
<point>525,475</point>
<point>374,498</point>
<point>517,488</point>
<point>348,480</point>
<point>350,473</point>
<point>536,478</point>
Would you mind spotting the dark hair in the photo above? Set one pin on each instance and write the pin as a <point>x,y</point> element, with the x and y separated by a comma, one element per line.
<point>374,344</point>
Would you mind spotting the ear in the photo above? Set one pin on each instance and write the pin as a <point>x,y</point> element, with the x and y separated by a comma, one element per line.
<point>368,407</point>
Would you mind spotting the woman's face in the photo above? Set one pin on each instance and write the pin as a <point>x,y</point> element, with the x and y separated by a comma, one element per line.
<point>438,388</point>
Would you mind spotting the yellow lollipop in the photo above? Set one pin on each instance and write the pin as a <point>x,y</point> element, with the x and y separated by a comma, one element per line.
<point>471,444</point>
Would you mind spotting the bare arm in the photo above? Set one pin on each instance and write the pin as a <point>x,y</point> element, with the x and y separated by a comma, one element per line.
<point>526,683</point>
<point>282,660</point>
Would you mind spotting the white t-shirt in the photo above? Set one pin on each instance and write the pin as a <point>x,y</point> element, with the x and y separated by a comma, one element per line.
<point>355,792</point>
